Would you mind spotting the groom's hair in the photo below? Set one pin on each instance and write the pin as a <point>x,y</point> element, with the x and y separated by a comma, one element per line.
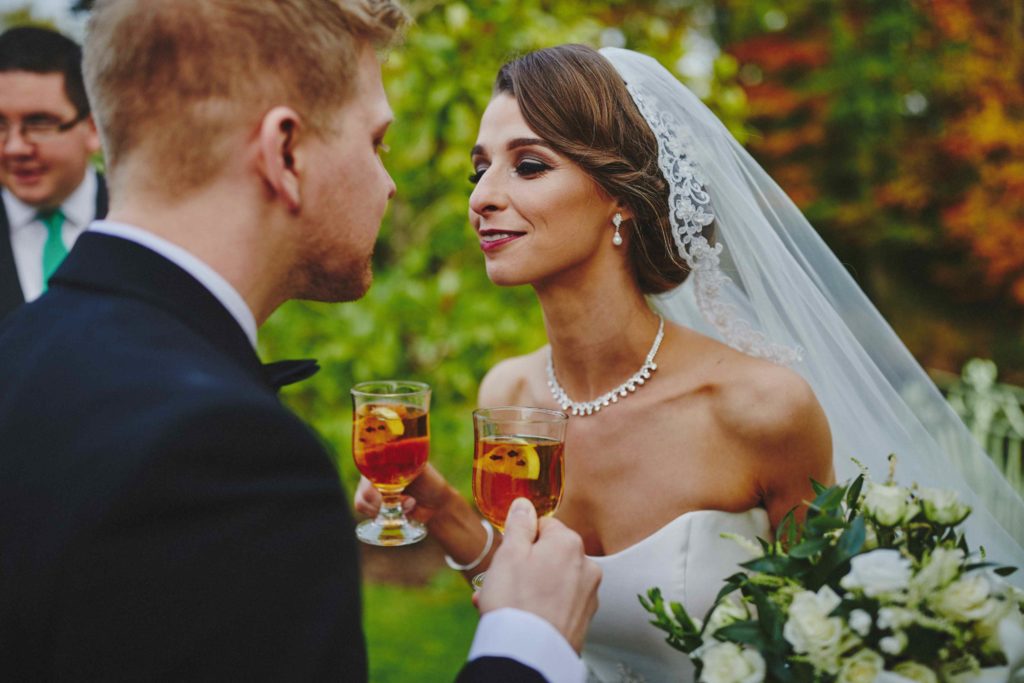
<point>176,79</point>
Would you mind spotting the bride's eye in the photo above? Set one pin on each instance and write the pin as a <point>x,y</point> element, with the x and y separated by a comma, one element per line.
<point>530,168</point>
<point>476,175</point>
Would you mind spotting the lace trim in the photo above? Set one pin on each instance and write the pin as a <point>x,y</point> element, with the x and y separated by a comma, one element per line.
<point>689,213</point>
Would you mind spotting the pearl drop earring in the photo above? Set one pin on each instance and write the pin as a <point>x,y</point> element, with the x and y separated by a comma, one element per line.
<point>617,221</point>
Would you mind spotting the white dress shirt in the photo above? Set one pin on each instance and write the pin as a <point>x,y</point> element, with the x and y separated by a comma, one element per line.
<point>28,234</point>
<point>227,295</point>
<point>513,633</point>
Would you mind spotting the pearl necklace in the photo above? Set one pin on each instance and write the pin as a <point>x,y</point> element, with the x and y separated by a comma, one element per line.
<point>584,408</point>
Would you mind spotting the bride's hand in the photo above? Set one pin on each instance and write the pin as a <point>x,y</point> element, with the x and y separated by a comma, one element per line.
<point>421,499</point>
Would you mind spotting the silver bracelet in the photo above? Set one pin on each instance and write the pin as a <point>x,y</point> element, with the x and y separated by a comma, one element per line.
<point>479,558</point>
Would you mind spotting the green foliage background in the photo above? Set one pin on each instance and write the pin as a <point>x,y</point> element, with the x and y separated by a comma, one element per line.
<point>432,314</point>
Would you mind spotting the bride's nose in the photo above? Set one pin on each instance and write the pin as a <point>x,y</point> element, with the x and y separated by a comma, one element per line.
<point>489,195</point>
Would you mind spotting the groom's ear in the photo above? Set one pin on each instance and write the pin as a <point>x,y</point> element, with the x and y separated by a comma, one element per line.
<point>279,159</point>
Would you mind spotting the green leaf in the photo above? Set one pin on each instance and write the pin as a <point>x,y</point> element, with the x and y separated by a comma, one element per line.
<point>829,499</point>
<point>809,548</point>
<point>779,565</point>
<point>852,540</point>
<point>746,632</point>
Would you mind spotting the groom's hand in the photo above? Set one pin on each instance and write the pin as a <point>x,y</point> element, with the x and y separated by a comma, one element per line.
<point>541,568</point>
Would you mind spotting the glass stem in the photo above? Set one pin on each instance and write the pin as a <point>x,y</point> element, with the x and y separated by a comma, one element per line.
<point>390,514</point>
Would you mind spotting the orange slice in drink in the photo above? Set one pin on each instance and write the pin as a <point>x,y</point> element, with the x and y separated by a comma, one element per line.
<point>514,457</point>
<point>380,426</point>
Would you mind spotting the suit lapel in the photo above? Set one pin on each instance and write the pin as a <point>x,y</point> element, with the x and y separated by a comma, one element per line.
<point>117,266</point>
<point>11,295</point>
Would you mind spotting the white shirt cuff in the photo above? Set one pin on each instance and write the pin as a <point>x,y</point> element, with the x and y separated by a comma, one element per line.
<point>530,640</point>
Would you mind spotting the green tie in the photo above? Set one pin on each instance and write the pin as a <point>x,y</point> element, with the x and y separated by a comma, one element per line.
<point>54,250</point>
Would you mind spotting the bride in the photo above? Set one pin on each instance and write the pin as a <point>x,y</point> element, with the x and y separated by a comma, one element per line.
<point>713,354</point>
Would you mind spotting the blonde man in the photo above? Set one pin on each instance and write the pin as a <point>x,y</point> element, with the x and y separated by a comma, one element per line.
<point>162,516</point>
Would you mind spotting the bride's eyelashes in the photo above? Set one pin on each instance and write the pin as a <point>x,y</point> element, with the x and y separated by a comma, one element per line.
<point>527,168</point>
<point>531,168</point>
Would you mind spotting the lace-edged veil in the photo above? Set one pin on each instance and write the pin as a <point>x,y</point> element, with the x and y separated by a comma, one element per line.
<point>769,286</point>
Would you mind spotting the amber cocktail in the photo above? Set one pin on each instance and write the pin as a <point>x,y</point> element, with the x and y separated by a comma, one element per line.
<point>390,446</point>
<point>517,453</point>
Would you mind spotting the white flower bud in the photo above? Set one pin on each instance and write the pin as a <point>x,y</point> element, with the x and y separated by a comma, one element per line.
<point>894,644</point>
<point>941,567</point>
<point>860,622</point>
<point>887,505</point>
<point>942,507</point>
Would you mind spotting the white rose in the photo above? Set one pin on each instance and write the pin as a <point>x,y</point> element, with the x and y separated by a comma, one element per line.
<point>887,505</point>
<point>808,625</point>
<point>728,663</point>
<point>941,567</point>
<point>860,622</point>
<point>964,600</point>
<point>878,572</point>
<point>942,507</point>
<point>918,673</point>
<point>862,667</point>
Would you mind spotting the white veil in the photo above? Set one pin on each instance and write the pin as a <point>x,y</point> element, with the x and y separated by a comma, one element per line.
<point>770,286</point>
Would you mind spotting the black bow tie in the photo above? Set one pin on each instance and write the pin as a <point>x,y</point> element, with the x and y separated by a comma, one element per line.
<point>284,372</point>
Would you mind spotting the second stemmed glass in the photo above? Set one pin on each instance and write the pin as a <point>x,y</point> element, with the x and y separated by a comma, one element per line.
<point>517,453</point>
<point>390,445</point>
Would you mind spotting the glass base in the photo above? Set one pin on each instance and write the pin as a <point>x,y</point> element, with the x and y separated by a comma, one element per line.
<point>373,532</point>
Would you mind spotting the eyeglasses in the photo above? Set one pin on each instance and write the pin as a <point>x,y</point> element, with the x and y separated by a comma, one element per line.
<point>37,129</point>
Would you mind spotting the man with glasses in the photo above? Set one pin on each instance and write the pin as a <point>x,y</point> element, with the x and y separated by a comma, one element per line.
<point>50,192</point>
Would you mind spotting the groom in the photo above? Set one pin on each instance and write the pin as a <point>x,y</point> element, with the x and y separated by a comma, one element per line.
<point>162,516</point>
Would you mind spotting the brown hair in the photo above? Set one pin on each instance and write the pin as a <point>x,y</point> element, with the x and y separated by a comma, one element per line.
<point>180,76</point>
<point>575,100</point>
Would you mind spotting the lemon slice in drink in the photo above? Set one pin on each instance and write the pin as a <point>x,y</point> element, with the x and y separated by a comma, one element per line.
<point>390,418</point>
<point>514,457</point>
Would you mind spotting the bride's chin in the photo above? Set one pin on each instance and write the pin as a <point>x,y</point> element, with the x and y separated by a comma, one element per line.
<point>503,278</point>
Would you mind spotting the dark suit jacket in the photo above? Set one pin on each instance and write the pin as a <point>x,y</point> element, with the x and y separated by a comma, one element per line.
<point>162,515</point>
<point>11,295</point>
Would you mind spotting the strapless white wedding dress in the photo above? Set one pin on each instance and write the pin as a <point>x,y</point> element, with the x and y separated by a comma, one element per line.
<point>687,559</point>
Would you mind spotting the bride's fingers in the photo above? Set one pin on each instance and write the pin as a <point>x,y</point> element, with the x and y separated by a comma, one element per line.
<point>367,499</point>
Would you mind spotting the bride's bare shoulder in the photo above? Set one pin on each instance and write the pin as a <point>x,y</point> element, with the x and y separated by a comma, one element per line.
<point>510,381</point>
<point>762,404</point>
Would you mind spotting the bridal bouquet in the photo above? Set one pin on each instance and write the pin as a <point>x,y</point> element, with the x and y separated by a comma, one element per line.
<point>876,586</point>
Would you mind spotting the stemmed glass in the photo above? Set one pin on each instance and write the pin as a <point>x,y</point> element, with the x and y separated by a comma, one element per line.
<point>517,453</point>
<point>390,445</point>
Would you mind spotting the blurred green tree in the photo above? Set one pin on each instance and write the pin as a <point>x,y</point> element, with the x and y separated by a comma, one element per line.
<point>432,314</point>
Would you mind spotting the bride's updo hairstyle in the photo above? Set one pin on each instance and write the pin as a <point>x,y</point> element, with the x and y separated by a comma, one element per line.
<point>575,100</point>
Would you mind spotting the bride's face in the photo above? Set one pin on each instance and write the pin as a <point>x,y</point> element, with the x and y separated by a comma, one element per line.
<point>536,213</point>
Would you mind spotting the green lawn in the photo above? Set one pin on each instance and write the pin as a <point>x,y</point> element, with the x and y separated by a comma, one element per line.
<point>418,633</point>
